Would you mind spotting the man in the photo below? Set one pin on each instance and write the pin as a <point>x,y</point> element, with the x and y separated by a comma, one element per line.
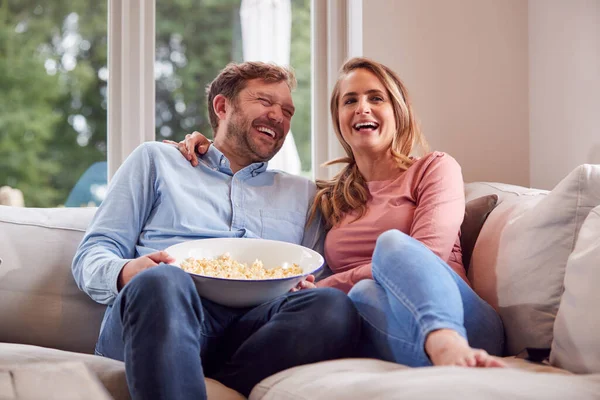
<point>168,336</point>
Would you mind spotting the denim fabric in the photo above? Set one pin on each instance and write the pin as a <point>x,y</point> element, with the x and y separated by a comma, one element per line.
<point>157,199</point>
<point>414,292</point>
<point>167,335</point>
<point>170,338</point>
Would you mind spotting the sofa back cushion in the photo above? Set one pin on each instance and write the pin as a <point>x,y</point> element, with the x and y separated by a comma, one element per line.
<point>40,303</point>
<point>576,345</point>
<point>519,260</point>
<point>474,190</point>
<point>476,212</point>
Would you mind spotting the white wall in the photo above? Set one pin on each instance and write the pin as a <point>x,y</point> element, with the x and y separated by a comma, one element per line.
<point>564,98</point>
<point>510,88</point>
<point>465,64</point>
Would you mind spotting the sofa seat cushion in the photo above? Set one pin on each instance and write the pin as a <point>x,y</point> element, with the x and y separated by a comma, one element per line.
<point>373,379</point>
<point>50,381</point>
<point>111,373</point>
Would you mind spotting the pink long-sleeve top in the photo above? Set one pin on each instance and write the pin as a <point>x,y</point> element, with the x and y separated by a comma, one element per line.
<point>426,202</point>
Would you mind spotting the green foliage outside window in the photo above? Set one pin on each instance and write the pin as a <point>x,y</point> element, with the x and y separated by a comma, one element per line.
<point>53,83</point>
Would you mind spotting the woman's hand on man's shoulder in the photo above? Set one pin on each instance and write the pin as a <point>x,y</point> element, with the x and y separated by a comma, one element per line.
<point>192,144</point>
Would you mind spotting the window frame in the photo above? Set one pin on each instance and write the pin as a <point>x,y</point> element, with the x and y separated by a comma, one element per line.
<point>131,86</point>
<point>336,34</point>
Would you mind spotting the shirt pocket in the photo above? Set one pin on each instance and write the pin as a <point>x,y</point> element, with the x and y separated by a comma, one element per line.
<point>284,225</point>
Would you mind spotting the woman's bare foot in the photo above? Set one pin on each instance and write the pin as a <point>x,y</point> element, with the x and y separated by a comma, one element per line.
<point>447,347</point>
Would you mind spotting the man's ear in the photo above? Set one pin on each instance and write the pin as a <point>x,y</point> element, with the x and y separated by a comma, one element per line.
<point>221,106</point>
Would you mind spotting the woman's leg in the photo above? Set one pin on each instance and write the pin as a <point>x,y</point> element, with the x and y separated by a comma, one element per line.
<point>385,334</point>
<point>417,303</point>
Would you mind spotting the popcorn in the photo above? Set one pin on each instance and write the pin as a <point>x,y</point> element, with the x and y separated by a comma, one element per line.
<point>225,267</point>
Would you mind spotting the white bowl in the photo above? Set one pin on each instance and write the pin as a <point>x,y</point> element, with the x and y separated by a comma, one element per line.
<point>247,292</point>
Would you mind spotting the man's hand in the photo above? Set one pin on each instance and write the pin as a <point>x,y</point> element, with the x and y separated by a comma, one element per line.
<point>308,283</point>
<point>192,143</point>
<point>134,267</point>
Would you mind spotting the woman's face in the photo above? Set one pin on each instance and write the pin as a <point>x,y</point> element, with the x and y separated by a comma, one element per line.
<point>366,113</point>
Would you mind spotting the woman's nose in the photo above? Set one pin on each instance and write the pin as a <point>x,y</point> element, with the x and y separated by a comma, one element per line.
<point>363,107</point>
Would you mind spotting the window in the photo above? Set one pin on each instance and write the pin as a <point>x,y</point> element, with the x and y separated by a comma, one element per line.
<point>195,40</point>
<point>53,79</point>
<point>54,142</point>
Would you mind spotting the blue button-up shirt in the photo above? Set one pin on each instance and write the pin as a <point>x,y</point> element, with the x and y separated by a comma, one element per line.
<point>158,199</point>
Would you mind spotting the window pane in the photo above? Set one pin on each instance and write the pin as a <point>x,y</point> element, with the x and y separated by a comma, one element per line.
<point>53,80</point>
<point>301,61</point>
<point>195,40</point>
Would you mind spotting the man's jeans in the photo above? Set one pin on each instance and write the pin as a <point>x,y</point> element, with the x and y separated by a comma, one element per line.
<point>414,292</point>
<point>170,337</point>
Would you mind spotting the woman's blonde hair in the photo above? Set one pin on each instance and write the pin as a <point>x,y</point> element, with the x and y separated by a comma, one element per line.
<point>348,190</point>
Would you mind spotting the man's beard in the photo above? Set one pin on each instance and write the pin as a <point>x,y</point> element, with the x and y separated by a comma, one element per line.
<point>238,131</point>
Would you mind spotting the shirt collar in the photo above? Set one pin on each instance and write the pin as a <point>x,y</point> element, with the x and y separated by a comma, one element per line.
<point>216,160</point>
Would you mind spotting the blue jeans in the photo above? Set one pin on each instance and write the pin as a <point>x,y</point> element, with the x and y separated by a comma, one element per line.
<point>414,292</point>
<point>170,338</point>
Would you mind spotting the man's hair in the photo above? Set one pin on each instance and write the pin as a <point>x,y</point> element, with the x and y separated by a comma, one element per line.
<point>233,79</point>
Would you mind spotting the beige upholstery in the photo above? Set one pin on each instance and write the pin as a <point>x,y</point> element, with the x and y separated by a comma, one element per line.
<point>50,381</point>
<point>504,191</point>
<point>518,264</point>
<point>40,305</point>
<point>360,379</point>
<point>575,344</point>
<point>111,373</point>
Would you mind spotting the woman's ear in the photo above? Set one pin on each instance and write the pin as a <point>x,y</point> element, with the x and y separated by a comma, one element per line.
<point>221,106</point>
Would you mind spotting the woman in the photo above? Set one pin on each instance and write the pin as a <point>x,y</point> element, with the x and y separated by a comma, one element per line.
<point>394,230</point>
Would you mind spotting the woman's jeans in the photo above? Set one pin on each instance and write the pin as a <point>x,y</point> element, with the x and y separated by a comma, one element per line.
<point>170,338</point>
<point>414,292</point>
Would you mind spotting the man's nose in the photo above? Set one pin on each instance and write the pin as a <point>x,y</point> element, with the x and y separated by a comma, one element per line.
<point>276,114</point>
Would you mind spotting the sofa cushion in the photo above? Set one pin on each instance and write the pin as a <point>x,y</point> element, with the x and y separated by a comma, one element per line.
<point>504,191</point>
<point>519,260</point>
<point>50,381</point>
<point>111,373</point>
<point>576,344</point>
<point>476,212</point>
<point>373,379</point>
<point>41,304</point>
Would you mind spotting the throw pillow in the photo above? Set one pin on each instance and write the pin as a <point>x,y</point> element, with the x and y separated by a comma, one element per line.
<point>476,212</point>
<point>519,263</point>
<point>576,345</point>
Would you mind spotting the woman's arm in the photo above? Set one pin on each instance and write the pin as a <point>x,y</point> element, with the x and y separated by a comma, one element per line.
<point>344,281</point>
<point>440,205</point>
<point>439,212</point>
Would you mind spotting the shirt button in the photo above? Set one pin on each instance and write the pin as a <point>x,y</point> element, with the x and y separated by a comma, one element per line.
<point>222,162</point>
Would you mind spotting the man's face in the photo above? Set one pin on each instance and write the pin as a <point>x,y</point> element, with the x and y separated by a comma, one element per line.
<point>259,120</point>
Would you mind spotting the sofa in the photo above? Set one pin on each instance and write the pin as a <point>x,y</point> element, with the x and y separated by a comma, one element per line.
<point>48,326</point>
